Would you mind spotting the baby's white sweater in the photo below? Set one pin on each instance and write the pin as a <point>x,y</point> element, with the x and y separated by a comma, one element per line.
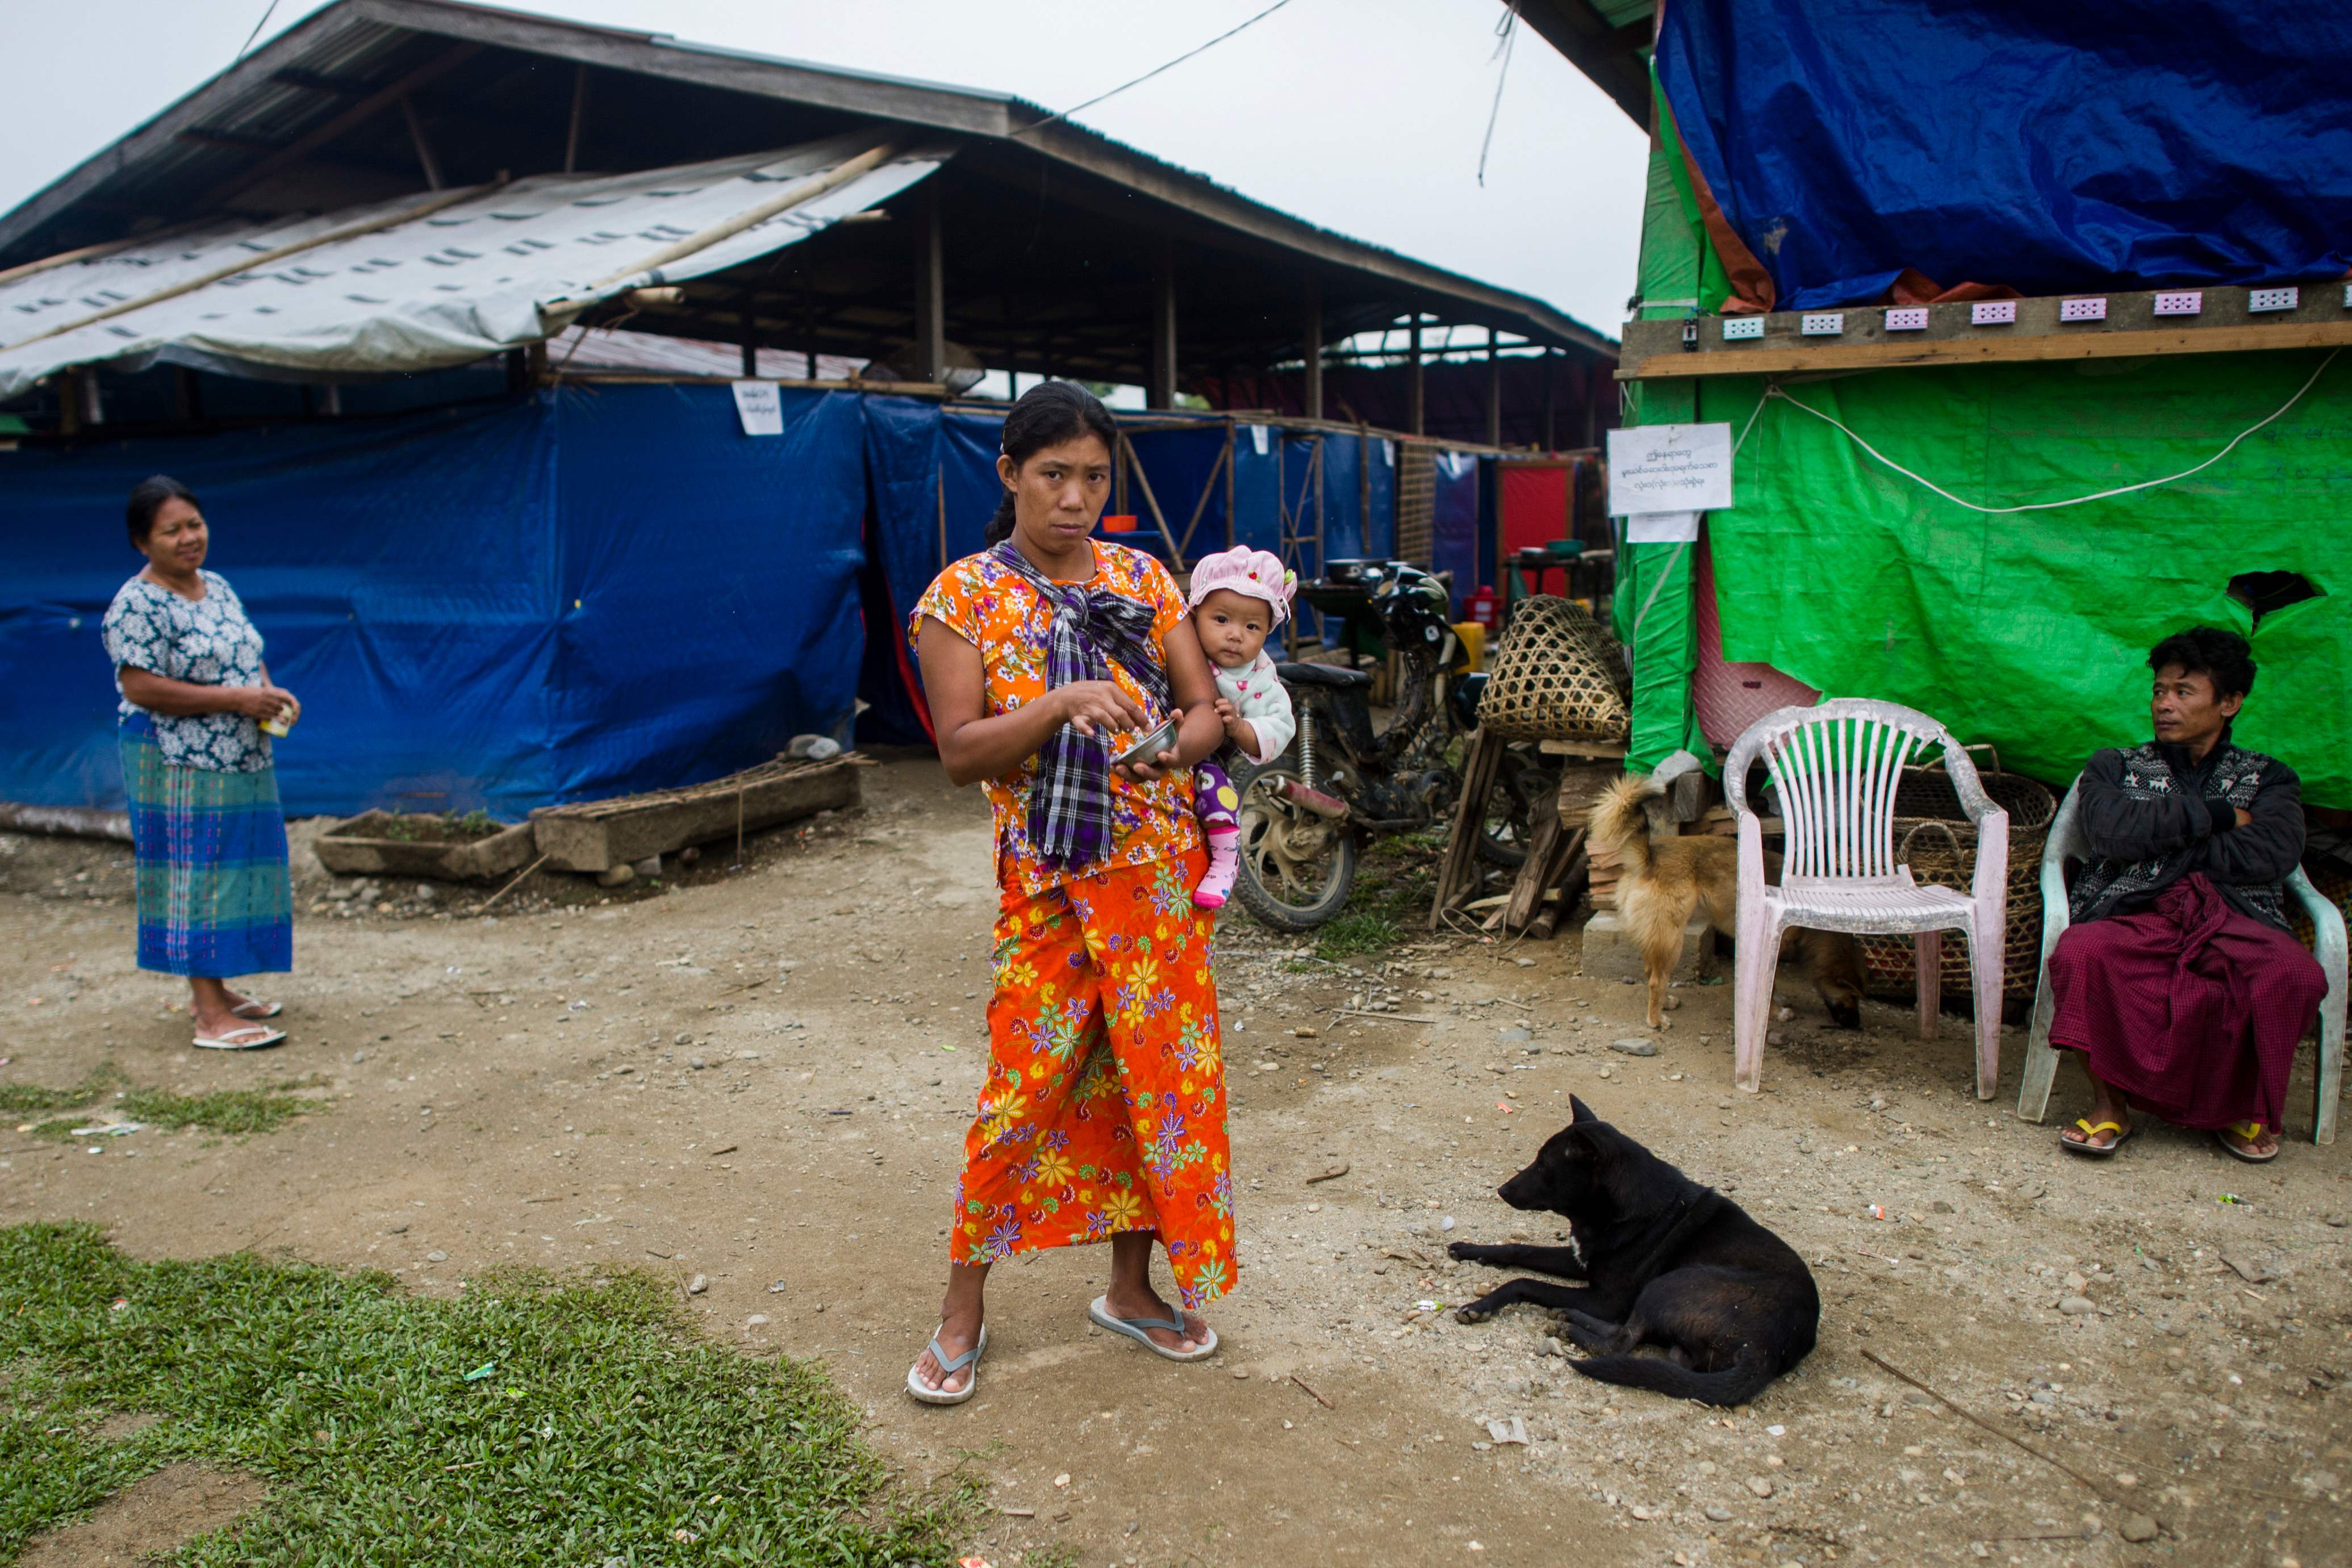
<point>1256,693</point>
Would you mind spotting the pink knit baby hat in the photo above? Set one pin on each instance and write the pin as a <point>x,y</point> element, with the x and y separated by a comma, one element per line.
<point>1242,570</point>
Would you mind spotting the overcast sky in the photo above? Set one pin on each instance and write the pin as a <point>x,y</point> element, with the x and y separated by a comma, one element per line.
<point>1364,116</point>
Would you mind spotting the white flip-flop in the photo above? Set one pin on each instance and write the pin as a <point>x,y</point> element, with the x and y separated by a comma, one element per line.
<point>949,1366</point>
<point>251,1009</point>
<point>235,1039</point>
<point>1098,1313</point>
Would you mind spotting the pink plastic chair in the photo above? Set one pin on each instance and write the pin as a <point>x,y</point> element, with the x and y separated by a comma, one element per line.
<point>1835,767</point>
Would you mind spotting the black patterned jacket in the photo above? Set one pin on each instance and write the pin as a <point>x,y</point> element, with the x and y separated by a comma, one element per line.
<point>2151,818</point>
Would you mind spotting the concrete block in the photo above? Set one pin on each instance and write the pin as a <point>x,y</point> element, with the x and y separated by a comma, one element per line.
<point>1612,954</point>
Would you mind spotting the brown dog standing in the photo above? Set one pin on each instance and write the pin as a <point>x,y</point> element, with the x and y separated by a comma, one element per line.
<point>1667,881</point>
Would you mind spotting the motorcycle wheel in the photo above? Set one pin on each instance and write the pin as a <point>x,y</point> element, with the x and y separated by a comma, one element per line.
<point>1296,869</point>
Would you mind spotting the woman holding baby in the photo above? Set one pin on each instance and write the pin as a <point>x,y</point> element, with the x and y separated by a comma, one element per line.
<point>1103,1117</point>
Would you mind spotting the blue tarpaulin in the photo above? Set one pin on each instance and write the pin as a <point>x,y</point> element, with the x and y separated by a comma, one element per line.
<point>581,593</point>
<point>2051,148</point>
<point>500,606</point>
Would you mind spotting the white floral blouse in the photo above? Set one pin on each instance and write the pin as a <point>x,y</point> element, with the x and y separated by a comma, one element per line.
<point>207,641</point>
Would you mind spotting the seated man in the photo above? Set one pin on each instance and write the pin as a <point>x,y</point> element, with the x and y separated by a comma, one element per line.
<point>2178,980</point>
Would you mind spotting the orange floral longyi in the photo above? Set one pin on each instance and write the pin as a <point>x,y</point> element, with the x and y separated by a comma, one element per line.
<point>1105,1106</point>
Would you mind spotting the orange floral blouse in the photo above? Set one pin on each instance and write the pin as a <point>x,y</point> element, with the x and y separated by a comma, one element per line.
<point>990,606</point>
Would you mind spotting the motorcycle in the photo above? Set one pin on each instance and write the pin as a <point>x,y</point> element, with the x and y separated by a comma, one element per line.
<point>1307,815</point>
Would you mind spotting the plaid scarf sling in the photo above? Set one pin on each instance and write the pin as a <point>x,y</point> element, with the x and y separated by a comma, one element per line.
<point>1069,804</point>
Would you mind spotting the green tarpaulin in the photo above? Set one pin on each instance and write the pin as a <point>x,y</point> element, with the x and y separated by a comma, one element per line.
<point>2032,629</point>
<point>2028,629</point>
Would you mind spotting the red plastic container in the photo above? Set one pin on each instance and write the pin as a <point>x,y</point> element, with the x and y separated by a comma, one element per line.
<point>1484,607</point>
<point>1119,523</point>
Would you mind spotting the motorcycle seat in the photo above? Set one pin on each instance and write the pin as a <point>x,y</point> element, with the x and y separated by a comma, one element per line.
<point>1335,676</point>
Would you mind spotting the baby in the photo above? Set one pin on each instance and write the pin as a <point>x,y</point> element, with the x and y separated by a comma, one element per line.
<point>1238,598</point>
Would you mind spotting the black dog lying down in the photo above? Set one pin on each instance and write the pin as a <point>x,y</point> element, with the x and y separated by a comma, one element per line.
<point>1666,1261</point>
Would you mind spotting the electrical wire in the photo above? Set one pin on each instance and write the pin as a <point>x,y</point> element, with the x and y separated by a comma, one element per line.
<point>1147,76</point>
<point>267,12</point>
<point>1507,30</point>
<point>1775,392</point>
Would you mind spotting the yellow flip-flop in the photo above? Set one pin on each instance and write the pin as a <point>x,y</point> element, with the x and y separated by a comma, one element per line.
<point>2249,1130</point>
<point>2091,1130</point>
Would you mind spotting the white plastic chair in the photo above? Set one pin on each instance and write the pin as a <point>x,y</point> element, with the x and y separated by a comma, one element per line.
<point>1835,767</point>
<point>2066,842</point>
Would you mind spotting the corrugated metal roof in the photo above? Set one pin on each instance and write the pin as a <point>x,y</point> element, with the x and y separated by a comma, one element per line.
<point>189,160</point>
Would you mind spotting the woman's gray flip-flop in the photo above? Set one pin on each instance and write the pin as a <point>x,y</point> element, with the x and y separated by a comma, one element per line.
<point>949,1366</point>
<point>1098,1313</point>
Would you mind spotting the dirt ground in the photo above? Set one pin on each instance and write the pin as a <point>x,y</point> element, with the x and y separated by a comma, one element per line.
<point>762,1077</point>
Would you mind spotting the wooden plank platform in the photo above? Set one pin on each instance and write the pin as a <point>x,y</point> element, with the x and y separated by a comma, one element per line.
<point>597,835</point>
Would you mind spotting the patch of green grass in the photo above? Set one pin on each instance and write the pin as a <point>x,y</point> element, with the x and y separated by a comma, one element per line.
<point>604,1430</point>
<point>234,1112</point>
<point>1394,884</point>
<point>1354,934</point>
<point>229,1111</point>
<point>25,1099</point>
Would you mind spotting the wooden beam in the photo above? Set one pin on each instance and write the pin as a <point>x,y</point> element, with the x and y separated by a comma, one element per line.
<point>2011,350</point>
<point>319,136</point>
<point>1312,349</point>
<point>425,159</point>
<point>1607,55</point>
<point>579,118</point>
<point>930,288</point>
<point>1655,349</point>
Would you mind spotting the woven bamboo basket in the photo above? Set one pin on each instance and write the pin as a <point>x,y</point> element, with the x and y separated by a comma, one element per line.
<point>1934,835</point>
<point>1558,675</point>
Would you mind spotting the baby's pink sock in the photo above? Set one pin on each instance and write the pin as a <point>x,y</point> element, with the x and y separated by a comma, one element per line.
<point>1224,857</point>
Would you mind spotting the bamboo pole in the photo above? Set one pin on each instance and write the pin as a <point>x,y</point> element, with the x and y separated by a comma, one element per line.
<point>1175,554</point>
<point>1208,489</point>
<point>90,252</point>
<point>267,258</point>
<point>791,196</point>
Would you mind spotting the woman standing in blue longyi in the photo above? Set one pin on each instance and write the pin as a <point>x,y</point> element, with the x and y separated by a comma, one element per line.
<point>214,898</point>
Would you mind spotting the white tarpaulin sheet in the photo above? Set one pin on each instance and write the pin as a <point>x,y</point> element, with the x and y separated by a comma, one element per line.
<point>446,288</point>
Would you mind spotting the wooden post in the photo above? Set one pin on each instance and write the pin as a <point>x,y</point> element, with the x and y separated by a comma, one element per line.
<point>1551,399</point>
<point>69,396</point>
<point>1313,350</point>
<point>425,158</point>
<point>1494,393</point>
<point>808,322</point>
<point>579,118</point>
<point>750,338</point>
<point>931,293</point>
<point>1417,392</point>
<point>1160,392</point>
<point>1231,455</point>
<point>1457,869</point>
